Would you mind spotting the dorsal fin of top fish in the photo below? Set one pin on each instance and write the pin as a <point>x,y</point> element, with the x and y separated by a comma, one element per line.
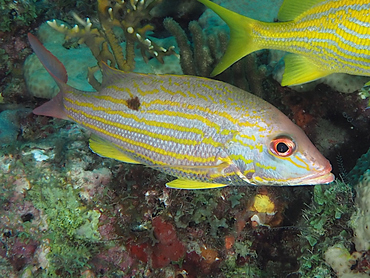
<point>323,37</point>
<point>206,133</point>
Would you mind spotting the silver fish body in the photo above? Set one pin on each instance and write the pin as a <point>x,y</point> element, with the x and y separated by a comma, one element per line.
<point>205,132</point>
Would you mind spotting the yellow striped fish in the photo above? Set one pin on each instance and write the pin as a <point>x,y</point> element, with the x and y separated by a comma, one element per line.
<point>324,37</point>
<point>205,132</point>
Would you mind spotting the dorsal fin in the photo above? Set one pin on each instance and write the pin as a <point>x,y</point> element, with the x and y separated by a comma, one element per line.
<point>112,75</point>
<point>290,9</point>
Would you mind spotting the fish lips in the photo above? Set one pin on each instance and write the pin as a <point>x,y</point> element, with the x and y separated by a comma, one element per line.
<point>322,177</point>
<point>318,177</point>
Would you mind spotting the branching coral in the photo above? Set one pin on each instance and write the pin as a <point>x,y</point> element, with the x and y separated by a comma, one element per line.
<point>115,17</point>
<point>195,60</point>
<point>129,16</point>
<point>200,55</point>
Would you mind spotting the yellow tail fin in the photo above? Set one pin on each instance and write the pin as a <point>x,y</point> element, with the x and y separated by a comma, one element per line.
<point>241,40</point>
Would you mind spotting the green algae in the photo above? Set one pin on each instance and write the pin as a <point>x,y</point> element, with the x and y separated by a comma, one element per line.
<point>67,227</point>
<point>203,208</point>
<point>71,228</point>
<point>16,13</point>
<point>325,223</point>
<point>235,198</point>
<point>5,267</point>
<point>63,205</point>
<point>243,249</point>
<point>231,269</point>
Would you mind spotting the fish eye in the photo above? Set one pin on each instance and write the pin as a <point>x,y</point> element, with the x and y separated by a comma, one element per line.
<point>282,146</point>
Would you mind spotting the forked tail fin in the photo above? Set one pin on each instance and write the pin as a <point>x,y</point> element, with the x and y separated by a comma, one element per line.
<point>241,41</point>
<point>54,107</point>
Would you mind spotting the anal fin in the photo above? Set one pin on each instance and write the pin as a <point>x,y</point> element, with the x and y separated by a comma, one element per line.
<point>299,69</point>
<point>192,184</point>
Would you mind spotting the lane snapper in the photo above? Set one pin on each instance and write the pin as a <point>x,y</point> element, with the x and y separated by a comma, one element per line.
<point>323,37</point>
<point>206,133</point>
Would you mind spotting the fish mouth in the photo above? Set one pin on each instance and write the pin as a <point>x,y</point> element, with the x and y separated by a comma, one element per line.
<point>322,177</point>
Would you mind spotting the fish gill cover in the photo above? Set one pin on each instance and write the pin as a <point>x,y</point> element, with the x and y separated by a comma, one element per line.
<point>70,213</point>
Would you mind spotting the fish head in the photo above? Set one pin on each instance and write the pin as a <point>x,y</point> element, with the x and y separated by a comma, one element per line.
<point>288,157</point>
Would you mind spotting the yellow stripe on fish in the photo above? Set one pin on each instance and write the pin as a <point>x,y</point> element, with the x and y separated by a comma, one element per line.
<point>324,37</point>
<point>204,132</point>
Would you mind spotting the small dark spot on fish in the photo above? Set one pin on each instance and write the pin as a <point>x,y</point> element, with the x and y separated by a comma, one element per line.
<point>133,103</point>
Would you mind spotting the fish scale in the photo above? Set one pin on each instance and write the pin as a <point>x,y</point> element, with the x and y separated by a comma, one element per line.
<point>327,40</point>
<point>188,132</point>
<point>204,132</point>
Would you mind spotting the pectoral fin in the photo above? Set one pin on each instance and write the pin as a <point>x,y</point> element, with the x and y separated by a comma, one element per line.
<point>299,70</point>
<point>192,184</point>
<point>105,148</point>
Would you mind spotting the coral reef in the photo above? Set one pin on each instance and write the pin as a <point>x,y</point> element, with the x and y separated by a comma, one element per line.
<point>10,125</point>
<point>345,261</point>
<point>363,164</point>
<point>104,42</point>
<point>67,212</point>
<point>41,85</point>
<point>198,63</point>
<point>361,219</point>
<point>13,51</point>
<point>325,224</point>
<point>168,248</point>
<point>85,214</point>
<point>342,262</point>
<point>200,56</point>
<point>17,13</point>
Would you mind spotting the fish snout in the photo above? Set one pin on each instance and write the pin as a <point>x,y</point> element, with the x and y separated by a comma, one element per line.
<point>322,174</point>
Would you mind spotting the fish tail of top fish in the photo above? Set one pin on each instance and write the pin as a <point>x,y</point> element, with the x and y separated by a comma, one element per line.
<point>243,41</point>
<point>241,29</point>
<point>323,37</point>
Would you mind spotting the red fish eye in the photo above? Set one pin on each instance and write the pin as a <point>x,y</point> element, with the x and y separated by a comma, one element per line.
<point>282,146</point>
